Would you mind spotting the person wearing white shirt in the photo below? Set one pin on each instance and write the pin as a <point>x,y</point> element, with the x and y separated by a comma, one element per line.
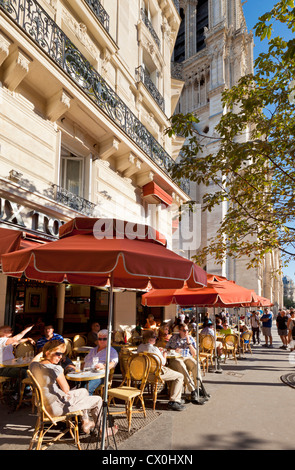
<point>7,343</point>
<point>100,353</point>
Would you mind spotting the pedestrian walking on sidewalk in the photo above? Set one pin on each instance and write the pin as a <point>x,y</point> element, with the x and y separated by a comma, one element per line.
<point>282,321</point>
<point>255,322</point>
<point>266,320</point>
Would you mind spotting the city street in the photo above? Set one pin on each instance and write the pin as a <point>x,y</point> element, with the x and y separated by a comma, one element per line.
<point>250,409</point>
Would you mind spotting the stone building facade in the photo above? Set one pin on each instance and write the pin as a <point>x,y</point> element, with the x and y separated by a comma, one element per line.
<point>86,92</point>
<point>212,51</point>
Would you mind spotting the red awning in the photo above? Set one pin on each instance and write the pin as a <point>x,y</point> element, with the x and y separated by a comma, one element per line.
<point>155,195</point>
<point>13,240</point>
<point>9,240</point>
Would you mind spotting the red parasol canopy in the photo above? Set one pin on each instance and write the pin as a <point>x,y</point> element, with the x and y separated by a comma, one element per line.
<point>133,255</point>
<point>221,293</point>
<point>260,302</point>
<point>9,240</point>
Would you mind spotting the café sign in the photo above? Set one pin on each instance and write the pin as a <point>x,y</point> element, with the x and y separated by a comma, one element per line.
<point>27,219</point>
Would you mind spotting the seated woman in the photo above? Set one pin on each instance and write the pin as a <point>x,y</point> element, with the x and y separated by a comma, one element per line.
<point>163,336</point>
<point>58,398</point>
<point>150,322</point>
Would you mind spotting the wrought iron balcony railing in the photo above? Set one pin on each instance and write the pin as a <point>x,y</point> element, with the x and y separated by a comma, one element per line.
<point>33,19</point>
<point>71,200</point>
<point>149,26</point>
<point>100,13</point>
<point>143,76</point>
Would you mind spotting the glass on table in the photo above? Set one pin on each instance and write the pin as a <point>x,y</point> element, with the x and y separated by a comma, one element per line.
<point>95,361</point>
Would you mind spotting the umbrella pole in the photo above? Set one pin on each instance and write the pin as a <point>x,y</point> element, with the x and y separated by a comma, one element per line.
<point>107,366</point>
<point>239,339</point>
<point>198,365</point>
<point>218,369</point>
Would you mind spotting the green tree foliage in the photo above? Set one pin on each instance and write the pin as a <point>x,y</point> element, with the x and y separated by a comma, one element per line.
<point>254,175</point>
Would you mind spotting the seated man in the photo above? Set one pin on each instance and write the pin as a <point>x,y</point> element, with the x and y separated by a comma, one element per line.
<point>93,334</point>
<point>208,330</point>
<point>49,335</point>
<point>226,330</point>
<point>99,354</point>
<point>218,323</point>
<point>185,345</point>
<point>150,322</point>
<point>167,374</point>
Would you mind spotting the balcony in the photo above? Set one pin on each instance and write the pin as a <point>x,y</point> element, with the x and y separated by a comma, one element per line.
<point>149,26</point>
<point>100,13</point>
<point>71,200</point>
<point>143,76</point>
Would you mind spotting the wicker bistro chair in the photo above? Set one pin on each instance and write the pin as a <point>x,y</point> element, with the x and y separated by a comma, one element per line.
<point>124,355</point>
<point>23,349</point>
<point>100,389</point>
<point>154,377</point>
<point>69,347</point>
<point>230,345</point>
<point>137,371</point>
<point>3,381</point>
<point>28,382</point>
<point>78,342</point>
<point>207,349</point>
<point>45,423</point>
<point>245,340</point>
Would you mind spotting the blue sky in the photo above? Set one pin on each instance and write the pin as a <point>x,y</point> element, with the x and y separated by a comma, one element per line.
<point>252,10</point>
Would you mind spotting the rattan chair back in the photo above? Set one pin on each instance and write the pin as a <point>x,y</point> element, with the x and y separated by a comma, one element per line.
<point>206,342</point>
<point>78,341</point>
<point>69,346</point>
<point>23,349</point>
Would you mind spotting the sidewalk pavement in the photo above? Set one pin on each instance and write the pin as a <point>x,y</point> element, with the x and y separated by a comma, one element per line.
<point>250,409</point>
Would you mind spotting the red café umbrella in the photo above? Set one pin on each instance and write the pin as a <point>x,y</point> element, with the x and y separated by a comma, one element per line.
<point>223,293</point>
<point>131,254</point>
<point>106,251</point>
<point>260,302</point>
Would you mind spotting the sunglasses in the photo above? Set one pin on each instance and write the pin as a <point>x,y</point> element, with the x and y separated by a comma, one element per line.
<point>102,339</point>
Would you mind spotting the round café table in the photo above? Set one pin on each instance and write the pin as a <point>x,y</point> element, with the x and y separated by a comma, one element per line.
<point>85,375</point>
<point>82,349</point>
<point>18,362</point>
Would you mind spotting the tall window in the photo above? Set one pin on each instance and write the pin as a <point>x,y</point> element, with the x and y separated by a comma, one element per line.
<point>179,49</point>
<point>72,172</point>
<point>202,22</point>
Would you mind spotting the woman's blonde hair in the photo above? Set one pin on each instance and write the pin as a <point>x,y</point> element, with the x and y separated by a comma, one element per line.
<point>53,346</point>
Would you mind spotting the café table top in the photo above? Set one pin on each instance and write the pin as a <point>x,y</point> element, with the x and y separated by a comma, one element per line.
<point>83,349</point>
<point>16,362</point>
<point>172,356</point>
<point>85,376</point>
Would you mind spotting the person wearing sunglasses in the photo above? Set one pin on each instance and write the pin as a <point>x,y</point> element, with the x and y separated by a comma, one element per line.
<point>59,399</point>
<point>96,359</point>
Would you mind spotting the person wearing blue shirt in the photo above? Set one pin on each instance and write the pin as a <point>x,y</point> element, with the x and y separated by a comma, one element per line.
<point>49,335</point>
<point>266,320</point>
